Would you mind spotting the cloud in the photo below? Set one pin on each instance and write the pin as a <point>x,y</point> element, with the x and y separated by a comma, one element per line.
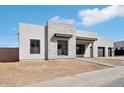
<point>62,20</point>
<point>95,16</point>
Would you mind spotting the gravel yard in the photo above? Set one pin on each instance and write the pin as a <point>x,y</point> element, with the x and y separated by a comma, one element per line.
<point>22,73</point>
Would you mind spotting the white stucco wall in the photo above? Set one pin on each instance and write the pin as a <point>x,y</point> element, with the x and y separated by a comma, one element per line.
<point>102,42</point>
<point>62,28</point>
<point>81,33</point>
<point>27,32</point>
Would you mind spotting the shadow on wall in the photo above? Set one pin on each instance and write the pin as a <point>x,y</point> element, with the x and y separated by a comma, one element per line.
<point>9,54</point>
<point>53,39</point>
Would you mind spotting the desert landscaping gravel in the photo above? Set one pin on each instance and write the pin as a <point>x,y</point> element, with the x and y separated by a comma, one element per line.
<point>22,73</point>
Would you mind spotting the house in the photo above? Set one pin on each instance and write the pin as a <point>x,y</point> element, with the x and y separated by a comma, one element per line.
<point>60,40</point>
<point>119,48</point>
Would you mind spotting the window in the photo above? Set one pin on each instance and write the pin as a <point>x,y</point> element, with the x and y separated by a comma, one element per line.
<point>62,48</point>
<point>34,46</point>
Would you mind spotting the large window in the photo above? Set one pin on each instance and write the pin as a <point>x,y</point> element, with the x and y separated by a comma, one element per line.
<point>62,48</point>
<point>34,46</point>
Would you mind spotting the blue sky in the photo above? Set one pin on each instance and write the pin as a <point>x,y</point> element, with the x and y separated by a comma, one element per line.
<point>107,27</point>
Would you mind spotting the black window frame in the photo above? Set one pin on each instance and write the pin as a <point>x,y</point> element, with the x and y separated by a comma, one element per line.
<point>58,47</point>
<point>34,45</point>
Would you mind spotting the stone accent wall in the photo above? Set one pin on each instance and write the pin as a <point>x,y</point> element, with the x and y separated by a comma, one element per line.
<point>62,28</point>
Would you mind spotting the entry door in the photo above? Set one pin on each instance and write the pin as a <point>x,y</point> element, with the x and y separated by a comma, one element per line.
<point>80,49</point>
<point>109,51</point>
<point>101,51</point>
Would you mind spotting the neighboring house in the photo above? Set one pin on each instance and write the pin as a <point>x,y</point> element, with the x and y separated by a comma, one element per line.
<point>119,48</point>
<point>60,40</point>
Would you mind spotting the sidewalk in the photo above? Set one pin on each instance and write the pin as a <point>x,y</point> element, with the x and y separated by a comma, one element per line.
<point>89,79</point>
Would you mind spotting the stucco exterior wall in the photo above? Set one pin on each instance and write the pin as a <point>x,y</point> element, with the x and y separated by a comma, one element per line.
<point>9,54</point>
<point>103,43</point>
<point>53,28</point>
<point>80,33</point>
<point>27,32</point>
<point>86,34</point>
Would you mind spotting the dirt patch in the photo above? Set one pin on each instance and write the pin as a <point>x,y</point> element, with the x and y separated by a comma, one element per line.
<point>21,73</point>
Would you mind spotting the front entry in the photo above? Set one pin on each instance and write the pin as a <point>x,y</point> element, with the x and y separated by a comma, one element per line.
<point>80,50</point>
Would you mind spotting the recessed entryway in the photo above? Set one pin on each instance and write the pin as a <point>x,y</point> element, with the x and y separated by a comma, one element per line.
<point>80,49</point>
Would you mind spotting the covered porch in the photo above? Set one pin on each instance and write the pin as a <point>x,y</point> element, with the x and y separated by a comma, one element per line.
<point>84,46</point>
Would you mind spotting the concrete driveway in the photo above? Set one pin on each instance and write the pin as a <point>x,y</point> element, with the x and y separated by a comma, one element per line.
<point>105,77</point>
<point>116,57</point>
<point>115,83</point>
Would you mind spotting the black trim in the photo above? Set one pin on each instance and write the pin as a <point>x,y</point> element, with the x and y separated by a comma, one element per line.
<point>62,35</point>
<point>32,45</point>
<point>86,38</point>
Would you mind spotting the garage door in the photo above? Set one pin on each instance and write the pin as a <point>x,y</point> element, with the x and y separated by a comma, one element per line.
<point>101,51</point>
<point>109,51</point>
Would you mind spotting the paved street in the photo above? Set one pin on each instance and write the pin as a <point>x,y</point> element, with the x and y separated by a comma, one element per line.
<point>115,83</point>
<point>105,77</point>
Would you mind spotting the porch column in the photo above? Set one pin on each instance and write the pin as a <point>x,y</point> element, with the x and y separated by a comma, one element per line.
<point>92,50</point>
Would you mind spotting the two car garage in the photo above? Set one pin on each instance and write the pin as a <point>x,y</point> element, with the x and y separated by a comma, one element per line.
<point>102,51</point>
